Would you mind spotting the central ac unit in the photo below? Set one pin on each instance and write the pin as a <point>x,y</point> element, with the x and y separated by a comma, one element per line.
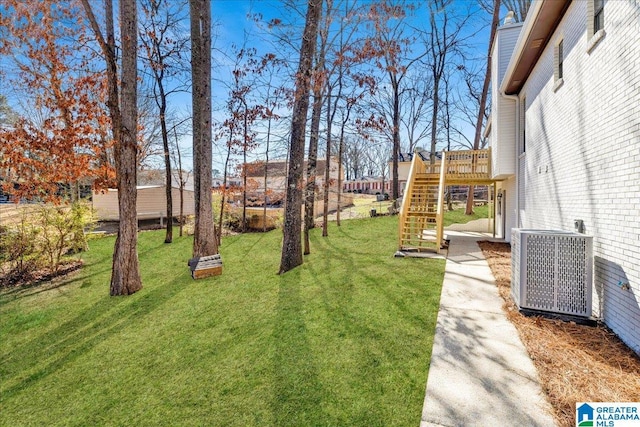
<point>552,271</point>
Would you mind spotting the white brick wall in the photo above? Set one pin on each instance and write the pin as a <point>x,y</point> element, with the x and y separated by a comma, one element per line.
<point>583,153</point>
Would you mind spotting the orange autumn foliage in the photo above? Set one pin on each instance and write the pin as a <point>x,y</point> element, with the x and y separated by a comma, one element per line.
<point>65,139</point>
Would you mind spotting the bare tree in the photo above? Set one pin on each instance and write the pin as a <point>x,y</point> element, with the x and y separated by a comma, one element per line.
<point>205,241</point>
<point>149,139</point>
<point>318,79</point>
<point>125,274</point>
<point>415,103</point>
<point>291,245</point>
<point>444,40</point>
<point>272,96</point>
<point>181,176</point>
<point>163,42</point>
<point>336,67</point>
<point>227,128</point>
<point>378,155</point>
<point>483,99</point>
<point>391,48</point>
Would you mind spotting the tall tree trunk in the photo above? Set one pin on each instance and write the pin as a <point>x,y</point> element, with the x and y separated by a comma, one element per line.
<point>291,245</point>
<point>327,169</point>
<point>266,175</point>
<point>182,183</point>
<point>447,114</point>
<point>167,163</point>
<point>340,154</point>
<point>434,119</point>
<point>204,240</point>
<point>395,191</point>
<point>483,98</point>
<point>223,195</point>
<point>244,171</point>
<point>312,158</point>
<point>125,277</point>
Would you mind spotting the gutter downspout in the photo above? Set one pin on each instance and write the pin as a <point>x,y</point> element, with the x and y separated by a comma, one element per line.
<point>517,159</point>
<point>532,16</point>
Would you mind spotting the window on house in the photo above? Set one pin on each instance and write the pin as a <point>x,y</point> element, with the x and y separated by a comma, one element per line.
<point>558,65</point>
<point>595,22</point>
<point>560,58</point>
<point>598,15</point>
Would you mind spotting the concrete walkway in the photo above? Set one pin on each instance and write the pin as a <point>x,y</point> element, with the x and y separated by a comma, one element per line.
<point>480,372</point>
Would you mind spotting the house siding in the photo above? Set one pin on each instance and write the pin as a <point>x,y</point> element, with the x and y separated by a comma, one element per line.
<point>277,179</point>
<point>583,153</point>
<point>503,136</point>
<point>150,203</point>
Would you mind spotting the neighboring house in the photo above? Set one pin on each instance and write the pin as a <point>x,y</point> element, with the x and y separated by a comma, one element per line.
<point>404,164</point>
<point>277,175</point>
<point>367,185</point>
<point>232,181</point>
<point>565,138</point>
<point>151,203</point>
<point>277,181</point>
<point>151,177</point>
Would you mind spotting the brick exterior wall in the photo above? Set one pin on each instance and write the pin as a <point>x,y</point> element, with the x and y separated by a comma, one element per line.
<point>582,156</point>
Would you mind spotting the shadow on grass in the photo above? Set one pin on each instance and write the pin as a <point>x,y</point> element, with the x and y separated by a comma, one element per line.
<point>298,390</point>
<point>106,317</point>
<point>20,292</point>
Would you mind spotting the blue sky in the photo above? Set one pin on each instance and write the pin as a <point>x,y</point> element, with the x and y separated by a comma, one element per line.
<point>230,17</point>
<point>232,26</point>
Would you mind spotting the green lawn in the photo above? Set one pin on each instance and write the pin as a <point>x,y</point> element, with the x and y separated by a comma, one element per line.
<point>344,340</point>
<point>457,215</point>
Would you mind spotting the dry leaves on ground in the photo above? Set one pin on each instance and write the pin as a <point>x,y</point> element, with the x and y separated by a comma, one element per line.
<point>33,277</point>
<point>576,363</point>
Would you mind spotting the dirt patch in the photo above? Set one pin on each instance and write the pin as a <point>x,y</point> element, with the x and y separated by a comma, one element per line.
<point>36,277</point>
<point>575,363</point>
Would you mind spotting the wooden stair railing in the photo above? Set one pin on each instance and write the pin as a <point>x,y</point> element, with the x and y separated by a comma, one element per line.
<point>421,223</point>
<point>441,201</point>
<point>418,216</point>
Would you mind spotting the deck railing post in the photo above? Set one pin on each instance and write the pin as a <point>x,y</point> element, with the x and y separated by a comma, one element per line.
<point>440,208</point>
<point>406,196</point>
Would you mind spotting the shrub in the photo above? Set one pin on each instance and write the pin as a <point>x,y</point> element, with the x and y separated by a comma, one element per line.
<point>42,238</point>
<point>19,249</point>
<point>63,231</point>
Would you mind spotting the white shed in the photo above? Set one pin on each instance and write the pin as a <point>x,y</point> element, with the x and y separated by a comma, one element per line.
<point>151,204</point>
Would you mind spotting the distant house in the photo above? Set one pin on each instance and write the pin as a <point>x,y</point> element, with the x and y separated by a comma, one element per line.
<point>367,185</point>
<point>565,139</point>
<point>151,203</point>
<point>277,180</point>
<point>277,174</point>
<point>404,164</point>
<point>232,181</point>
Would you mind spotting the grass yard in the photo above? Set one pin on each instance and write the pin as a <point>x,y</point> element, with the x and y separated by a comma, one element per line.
<point>344,340</point>
<point>362,205</point>
<point>457,216</point>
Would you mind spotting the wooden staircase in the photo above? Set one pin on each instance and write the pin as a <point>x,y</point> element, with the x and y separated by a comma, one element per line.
<point>419,228</point>
<point>422,212</point>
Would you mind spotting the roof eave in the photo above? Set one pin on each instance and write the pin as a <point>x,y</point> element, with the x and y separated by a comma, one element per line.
<point>542,20</point>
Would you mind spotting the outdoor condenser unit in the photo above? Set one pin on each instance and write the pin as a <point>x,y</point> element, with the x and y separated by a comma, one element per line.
<point>552,271</point>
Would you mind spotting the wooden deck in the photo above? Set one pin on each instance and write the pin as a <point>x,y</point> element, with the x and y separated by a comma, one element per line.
<point>422,210</point>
